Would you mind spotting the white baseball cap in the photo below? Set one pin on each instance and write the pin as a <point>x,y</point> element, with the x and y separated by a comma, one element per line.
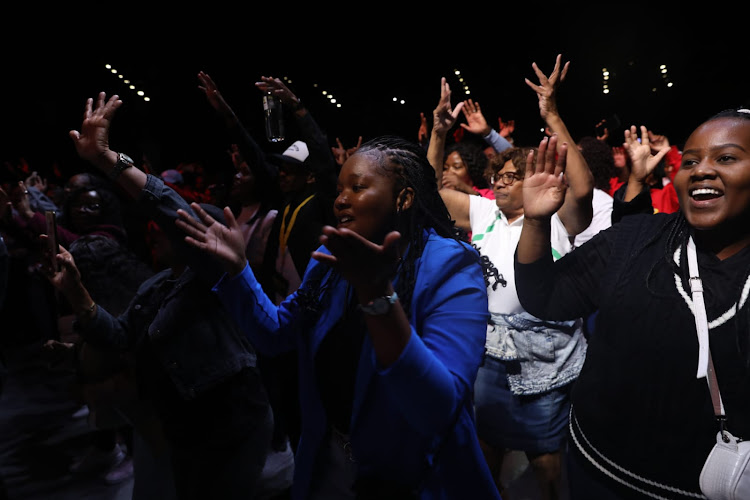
<point>295,154</point>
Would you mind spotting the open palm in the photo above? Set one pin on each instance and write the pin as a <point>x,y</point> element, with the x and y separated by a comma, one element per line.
<point>544,185</point>
<point>226,243</point>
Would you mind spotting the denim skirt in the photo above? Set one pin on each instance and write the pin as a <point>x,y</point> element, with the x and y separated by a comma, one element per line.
<point>534,423</point>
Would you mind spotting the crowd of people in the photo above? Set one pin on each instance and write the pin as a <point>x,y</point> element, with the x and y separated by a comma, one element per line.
<point>390,319</point>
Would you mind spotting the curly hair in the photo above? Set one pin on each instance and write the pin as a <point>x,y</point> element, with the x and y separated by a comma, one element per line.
<point>476,161</point>
<point>598,156</point>
<point>517,155</point>
<point>407,162</point>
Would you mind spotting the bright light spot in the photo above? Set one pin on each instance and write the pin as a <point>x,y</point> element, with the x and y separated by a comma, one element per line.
<point>402,101</point>
<point>140,93</point>
<point>395,99</point>
<point>670,84</point>
<point>605,91</point>
<point>333,100</point>
<point>113,71</point>
<point>146,98</point>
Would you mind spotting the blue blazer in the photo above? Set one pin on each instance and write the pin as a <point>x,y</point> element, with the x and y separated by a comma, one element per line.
<point>413,421</point>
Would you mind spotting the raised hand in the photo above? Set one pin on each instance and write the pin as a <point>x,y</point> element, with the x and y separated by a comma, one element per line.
<point>643,162</point>
<point>505,129</point>
<point>341,154</point>
<point>544,184</point>
<point>546,91</point>
<point>93,139</point>
<point>277,88</point>
<point>214,97</point>
<point>444,116</point>
<point>360,261</point>
<point>658,142</point>
<point>475,121</point>
<point>226,243</point>
<point>423,133</point>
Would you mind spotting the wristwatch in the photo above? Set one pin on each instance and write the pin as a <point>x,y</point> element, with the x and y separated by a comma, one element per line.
<point>297,105</point>
<point>379,306</point>
<point>124,162</point>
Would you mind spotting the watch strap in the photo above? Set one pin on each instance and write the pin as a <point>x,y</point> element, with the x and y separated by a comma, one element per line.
<point>123,163</point>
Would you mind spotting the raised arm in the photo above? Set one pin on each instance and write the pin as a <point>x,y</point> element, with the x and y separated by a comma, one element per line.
<point>577,211</point>
<point>544,192</point>
<point>264,171</point>
<point>443,119</point>
<point>477,124</point>
<point>643,162</point>
<point>155,199</point>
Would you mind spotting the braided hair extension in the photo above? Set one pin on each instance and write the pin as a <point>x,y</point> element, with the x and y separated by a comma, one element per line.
<point>408,163</point>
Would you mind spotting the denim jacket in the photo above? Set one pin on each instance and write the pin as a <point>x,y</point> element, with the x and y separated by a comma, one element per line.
<point>189,331</point>
<point>541,355</point>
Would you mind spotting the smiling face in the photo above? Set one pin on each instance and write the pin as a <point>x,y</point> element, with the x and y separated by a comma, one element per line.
<point>713,183</point>
<point>86,210</point>
<point>455,164</point>
<point>366,201</point>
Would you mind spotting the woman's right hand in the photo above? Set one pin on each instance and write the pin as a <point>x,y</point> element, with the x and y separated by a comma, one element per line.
<point>226,243</point>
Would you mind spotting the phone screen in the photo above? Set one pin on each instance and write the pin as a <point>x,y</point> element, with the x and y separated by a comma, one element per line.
<point>52,237</point>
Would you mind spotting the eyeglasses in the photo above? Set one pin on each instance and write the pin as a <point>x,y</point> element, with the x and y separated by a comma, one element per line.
<point>508,178</point>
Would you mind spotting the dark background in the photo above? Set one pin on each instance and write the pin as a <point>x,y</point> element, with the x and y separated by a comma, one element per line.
<point>365,63</point>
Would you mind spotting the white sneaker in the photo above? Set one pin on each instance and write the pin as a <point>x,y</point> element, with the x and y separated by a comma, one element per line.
<point>278,471</point>
<point>81,412</point>
<point>96,460</point>
<point>120,472</point>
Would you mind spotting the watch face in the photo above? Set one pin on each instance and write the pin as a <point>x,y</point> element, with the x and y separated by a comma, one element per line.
<point>380,306</point>
<point>123,158</point>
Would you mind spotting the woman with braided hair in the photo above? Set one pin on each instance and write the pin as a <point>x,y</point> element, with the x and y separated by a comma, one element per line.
<point>389,327</point>
<point>642,421</point>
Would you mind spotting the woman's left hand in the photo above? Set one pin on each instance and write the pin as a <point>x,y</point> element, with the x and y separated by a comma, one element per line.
<point>361,262</point>
<point>544,185</point>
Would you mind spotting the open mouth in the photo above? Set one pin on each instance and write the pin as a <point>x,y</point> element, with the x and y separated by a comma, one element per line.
<point>705,194</point>
<point>345,219</point>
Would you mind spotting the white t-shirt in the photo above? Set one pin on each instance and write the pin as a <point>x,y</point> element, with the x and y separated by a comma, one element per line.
<point>602,219</point>
<point>497,239</point>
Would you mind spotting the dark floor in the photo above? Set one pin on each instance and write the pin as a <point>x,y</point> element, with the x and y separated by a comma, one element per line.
<point>39,439</point>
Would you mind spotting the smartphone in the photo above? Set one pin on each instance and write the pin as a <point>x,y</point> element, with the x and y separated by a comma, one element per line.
<point>52,237</point>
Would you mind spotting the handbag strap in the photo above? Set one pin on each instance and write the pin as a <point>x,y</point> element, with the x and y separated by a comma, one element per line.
<point>705,362</point>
